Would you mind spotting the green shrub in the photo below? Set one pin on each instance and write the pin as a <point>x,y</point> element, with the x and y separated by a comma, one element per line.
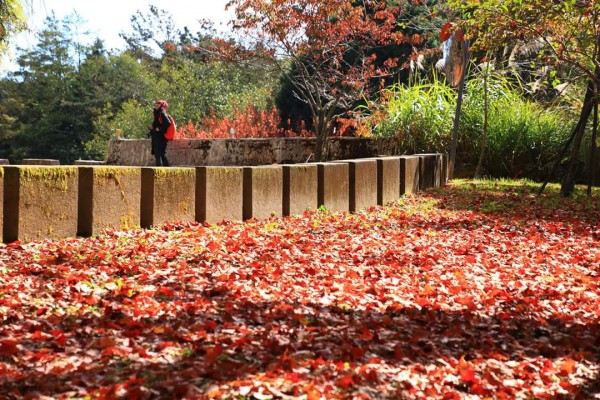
<point>420,115</point>
<point>523,136</point>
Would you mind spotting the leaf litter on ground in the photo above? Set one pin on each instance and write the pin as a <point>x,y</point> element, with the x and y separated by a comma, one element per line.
<point>479,290</point>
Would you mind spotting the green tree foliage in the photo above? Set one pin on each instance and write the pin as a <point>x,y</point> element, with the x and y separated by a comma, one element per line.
<point>67,98</point>
<point>188,76</point>
<point>117,86</point>
<point>12,20</point>
<point>193,91</point>
<point>48,119</point>
<point>150,32</point>
<point>51,103</point>
<point>568,33</point>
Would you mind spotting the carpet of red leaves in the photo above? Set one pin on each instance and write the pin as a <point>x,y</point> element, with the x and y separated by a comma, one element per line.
<point>462,293</point>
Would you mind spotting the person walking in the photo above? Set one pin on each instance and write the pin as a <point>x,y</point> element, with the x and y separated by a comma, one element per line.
<point>159,127</point>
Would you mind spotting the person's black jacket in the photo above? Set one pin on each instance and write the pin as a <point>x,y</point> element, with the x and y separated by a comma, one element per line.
<point>159,127</point>
<point>161,121</point>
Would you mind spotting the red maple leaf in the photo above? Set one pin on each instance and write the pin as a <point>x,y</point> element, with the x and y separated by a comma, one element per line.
<point>467,372</point>
<point>8,347</point>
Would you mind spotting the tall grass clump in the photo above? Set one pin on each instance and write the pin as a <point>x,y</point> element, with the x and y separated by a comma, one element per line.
<point>522,136</point>
<point>420,115</point>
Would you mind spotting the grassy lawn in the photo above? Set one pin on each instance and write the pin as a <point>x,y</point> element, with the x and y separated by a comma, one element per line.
<point>480,290</point>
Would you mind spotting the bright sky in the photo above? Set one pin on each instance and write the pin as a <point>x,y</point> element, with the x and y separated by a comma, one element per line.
<point>107,18</point>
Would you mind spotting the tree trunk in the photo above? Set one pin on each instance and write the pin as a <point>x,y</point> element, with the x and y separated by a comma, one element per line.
<point>568,181</point>
<point>320,147</point>
<point>321,134</point>
<point>593,145</point>
<point>561,154</point>
<point>485,124</point>
<point>454,145</point>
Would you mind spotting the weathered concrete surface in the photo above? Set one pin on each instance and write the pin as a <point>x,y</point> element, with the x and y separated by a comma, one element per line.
<point>40,202</point>
<point>168,195</point>
<point>436,170</point>
<point>362,183</point>
<point>300,184</point>
<point>109,198</point>
<point>263,192</point>
<point>88,162</point>
<point>430,173</point>
<point>409,174</point>
<point>444,178</point>
<point>388,179</point>
<point>334,182</point>
<point>245,152</point>
<point>219,194</point>
<point>39,161</point>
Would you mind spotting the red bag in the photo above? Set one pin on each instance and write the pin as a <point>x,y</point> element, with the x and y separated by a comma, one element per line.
<point>171,132</point>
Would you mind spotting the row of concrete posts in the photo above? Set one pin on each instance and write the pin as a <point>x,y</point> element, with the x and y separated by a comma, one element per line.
<point>55,202</point>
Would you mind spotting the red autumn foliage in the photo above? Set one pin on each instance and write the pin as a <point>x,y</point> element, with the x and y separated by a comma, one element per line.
<point>246,122</point>
<point>452,294</point>
<point>330,44</point>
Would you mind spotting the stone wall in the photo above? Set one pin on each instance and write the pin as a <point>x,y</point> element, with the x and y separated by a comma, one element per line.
<point>246,152</point>
<point>40,202</point>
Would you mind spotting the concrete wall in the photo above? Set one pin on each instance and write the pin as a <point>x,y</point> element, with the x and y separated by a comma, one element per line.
<point>109,198</point>
<point>247,152</point>
<point>410,172</point>
<point>168,195</point>
<point>263,192</point>
<point>388,179</point>
<point>299,188</point>
<point>333,189</point>
<point>55,202</point>
<point>219,194</point>
<point>39,202</point>
<point>362,183</point>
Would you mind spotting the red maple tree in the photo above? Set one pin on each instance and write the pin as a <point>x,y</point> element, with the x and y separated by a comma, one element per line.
<point>326,47</point>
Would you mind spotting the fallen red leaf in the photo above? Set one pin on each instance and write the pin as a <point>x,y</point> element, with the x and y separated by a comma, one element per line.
<point>568,366</point>
<point>8,347</point>
<point>467,372</point>
<point>345,382</point>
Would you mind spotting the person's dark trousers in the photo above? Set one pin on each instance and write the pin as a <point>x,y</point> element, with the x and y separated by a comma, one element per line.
<point>161,161</point>
<point>159,149</point>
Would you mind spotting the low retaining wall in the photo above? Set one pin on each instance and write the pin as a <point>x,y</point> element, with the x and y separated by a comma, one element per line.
<point>247,152</point>
<point>410,174</point>
<point>168,195</point>
<point>333,186</point>
<point>388,179</point>
<point>299,188</point>
<point>219,193</point>
<point>39,202</point>
<point>362,183</point>
<point>263,192</point>
<point>55,202</point>
<point>109,198</point>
